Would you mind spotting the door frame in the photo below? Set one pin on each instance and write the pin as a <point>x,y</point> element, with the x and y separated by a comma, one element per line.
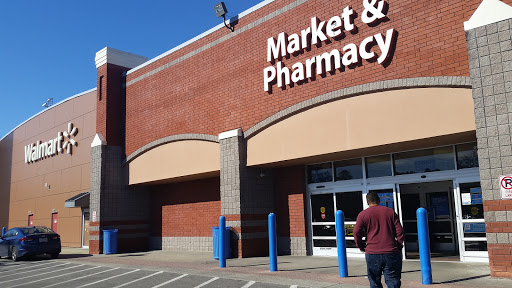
<point>332,190</point>
<point>83,227</point>
<point>473,256</point>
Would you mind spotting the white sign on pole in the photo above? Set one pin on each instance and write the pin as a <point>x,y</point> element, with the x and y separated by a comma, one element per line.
<point>506,186</point>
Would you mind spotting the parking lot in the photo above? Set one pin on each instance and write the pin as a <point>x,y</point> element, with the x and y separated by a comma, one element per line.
<point>51,273</point>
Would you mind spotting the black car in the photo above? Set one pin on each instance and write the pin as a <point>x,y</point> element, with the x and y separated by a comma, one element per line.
<point>29,241</point>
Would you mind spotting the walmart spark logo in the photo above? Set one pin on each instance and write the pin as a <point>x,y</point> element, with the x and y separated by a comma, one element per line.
<point>68,134</point>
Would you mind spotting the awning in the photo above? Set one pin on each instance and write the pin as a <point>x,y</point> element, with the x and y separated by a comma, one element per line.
<point>80,200</point>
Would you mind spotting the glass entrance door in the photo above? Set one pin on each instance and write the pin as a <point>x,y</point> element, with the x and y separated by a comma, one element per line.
<point>323,209</point>
<point>470,220</point>
<point>437,199</point>
<point>85,228</point>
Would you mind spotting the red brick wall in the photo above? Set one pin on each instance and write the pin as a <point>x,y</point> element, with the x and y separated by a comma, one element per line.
<point>290,194</point>
<point>185,209</point>
<point>221,88</point>
<point>110,110</point>
<point>500,255</point>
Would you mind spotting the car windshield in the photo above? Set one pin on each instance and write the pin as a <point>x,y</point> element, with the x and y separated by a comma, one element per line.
<point>36,230</point>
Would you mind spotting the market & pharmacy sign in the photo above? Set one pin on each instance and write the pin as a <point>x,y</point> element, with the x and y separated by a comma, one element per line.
<point>374,12</point>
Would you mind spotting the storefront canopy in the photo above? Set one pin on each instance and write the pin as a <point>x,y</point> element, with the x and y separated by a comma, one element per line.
<point>80,200</point>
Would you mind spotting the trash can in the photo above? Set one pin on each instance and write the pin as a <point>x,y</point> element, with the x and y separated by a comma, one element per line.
<point>110,241</point>
<point>227,247</point>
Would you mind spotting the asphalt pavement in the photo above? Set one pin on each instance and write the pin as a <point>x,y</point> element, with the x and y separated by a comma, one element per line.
<point>199,269</point>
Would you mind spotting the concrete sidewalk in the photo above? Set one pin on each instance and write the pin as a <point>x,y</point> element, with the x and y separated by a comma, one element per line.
<point>309,271</point>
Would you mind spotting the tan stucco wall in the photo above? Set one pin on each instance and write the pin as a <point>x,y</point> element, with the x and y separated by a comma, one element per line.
<point>66,175</point>
<point>175,160</point>
<point>365,121</point>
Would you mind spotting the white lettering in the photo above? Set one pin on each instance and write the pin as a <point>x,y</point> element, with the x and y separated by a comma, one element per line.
<point>317,33</point>
<point>293,44</point>
<point>385,45</point>
<point>282,73</point>
<point>273,47</point>
<point>298,72</point>
<point>28,153</point>
<point>309,67</point>
<point>41,150</point>
<point>350,57</point>
<point>328,59</point>
<point>269,75</point>
<point>348,23</point>
<point>365,53</point>
<point>304,37</point>
<point>332,27</point>
<point>59,142</point>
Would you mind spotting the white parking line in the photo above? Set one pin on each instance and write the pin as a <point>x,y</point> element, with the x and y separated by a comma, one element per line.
<point>24,272</point>
<point>109,278</point>
<point>294,286</point>
<point>34,275</point>
<point>207,282</point>
<point>23,264</point>
<point>25,283</point>
<point>172,280</point>
<point>249,284</point>
<point>139,279</point>
<point>62,282</point>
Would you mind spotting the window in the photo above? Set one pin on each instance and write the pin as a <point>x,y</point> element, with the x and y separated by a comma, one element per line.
<point>378,166</point>
<point>318,173</point>
<point>467,155</point>
<point>10,233</point>
<point>348,169</point>
<point>427,160</point>
<point>471,200</point>
<point>322,207</point>
<point>351,203</point>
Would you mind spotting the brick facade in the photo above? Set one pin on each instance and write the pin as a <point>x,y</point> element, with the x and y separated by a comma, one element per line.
<point>434,45</point>
<point>215,84</point>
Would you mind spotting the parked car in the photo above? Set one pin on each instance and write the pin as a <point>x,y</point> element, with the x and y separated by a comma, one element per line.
<point>21,242</point>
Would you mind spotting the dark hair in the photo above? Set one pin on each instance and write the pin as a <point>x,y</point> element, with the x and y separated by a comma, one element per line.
<point>372,198</point>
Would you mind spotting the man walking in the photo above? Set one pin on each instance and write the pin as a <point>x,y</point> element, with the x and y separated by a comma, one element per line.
<point>384,242</point>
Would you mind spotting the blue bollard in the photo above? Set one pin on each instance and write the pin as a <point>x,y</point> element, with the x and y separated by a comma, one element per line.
<point>222,253</point>
<point>341,244</point>
<point>3,231</point>
<point>424,246</point>
<point>272,242</point>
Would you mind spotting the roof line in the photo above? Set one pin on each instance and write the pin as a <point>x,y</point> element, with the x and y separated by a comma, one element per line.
<point>198,37</point>
<point>55,105</point>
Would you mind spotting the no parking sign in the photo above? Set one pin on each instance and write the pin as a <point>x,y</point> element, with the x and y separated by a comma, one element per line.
<point>506,186</point>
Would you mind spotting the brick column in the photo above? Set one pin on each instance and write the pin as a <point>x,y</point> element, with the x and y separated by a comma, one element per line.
<point>247,196</point>
<point>113,204</point>
<point>489,42</point>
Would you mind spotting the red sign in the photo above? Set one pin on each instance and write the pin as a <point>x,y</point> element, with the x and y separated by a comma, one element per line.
<point>322,215</point>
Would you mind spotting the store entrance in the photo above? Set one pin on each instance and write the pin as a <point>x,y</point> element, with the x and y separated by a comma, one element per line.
<point>437,198</point>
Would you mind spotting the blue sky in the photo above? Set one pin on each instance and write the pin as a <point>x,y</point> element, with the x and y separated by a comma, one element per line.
<point>47,48</point>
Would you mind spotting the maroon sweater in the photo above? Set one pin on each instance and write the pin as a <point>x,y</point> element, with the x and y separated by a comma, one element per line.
<point>382,228</point>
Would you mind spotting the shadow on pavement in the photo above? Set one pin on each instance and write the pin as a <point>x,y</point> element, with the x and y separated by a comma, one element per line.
<point>130,255</point>
<point>463,279</point>
<point>257,265</point>
<point>72,256</point>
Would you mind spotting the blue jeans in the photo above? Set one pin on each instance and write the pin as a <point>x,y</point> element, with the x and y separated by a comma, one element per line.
<point>390,264</point>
